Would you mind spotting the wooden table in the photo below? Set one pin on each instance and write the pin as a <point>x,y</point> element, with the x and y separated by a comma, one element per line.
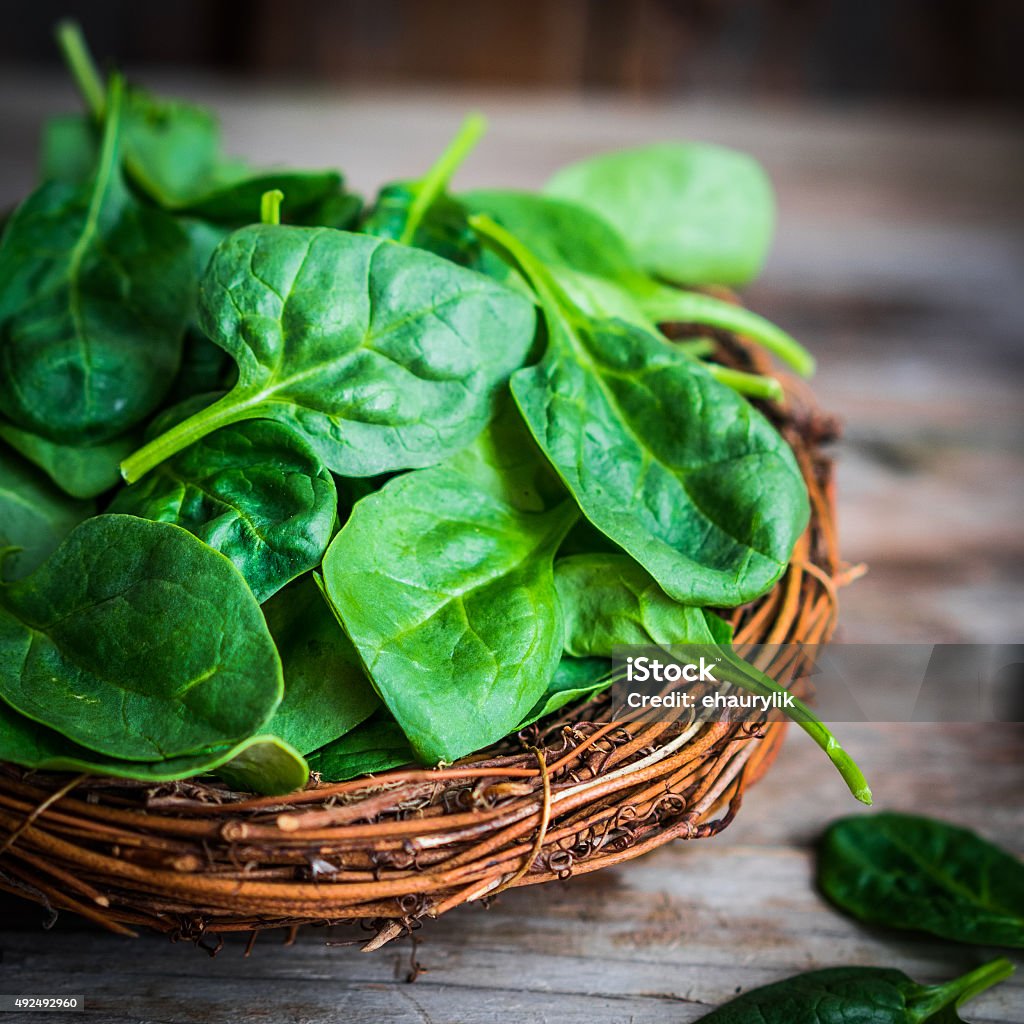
<point>899,262</point>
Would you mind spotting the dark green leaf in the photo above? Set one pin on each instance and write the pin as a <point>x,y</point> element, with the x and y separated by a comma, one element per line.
<point>856,995</point>
<point>690,212</point>
<point>69,149</point>
<point>137,640</point>
<point>254,491</point>
<point>32,745</point>
<point>905,871</point>
<point>34,516</point>
<point>386,357</point>
<point>95,292</point>
<point>326,691</point>
<point>80,471</point>
<point>452,608</point>
<point>375,746</point>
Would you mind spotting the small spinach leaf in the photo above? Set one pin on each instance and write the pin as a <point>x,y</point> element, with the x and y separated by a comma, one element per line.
<point>866,995</point>
<point>254,491</point>
<point>385,357</point>
<point>32,745</point>
<point>375,746</point>
<point>95,292</point>
<point>138,641</point>
<point>452,609</point>
<point>34,516</point>
<point>326,691</point>
<point>690,212</point>
<point>905,871</point>
<point>574,679</point>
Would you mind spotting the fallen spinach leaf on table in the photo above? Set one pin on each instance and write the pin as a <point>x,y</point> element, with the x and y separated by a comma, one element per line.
<point>381,355</point>
<point>255,491</point>
<point>905,871</point>
<point>34,516</point>
<point>858,995</point>
<point>95,292</point>
<point>138,641</point>
<point>691,212</point>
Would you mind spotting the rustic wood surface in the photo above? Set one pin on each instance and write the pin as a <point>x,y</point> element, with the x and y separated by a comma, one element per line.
<point>899,260</point>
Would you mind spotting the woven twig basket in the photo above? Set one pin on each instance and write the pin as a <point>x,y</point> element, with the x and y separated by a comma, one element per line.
<point>566,796</point>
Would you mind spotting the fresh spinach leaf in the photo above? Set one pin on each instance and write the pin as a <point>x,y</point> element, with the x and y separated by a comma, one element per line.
<point>80,471</point>
<point>679,471</point>
<point>265,764</point>
<point>385,357</point>
<point>68,150</point>
<point>574,679</point>
<point>138,641</point>
<point>690,212</point>
<point>255,491</point>
<point>422,213</point>
<point>905,871</point>
<point>375,746</point>
<point>452,608</point>
<point>34,516</point>
<point>95,292</point>
<point>326,691</point>
<point>865,995</point>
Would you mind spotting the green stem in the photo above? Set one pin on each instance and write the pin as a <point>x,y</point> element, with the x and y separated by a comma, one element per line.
<point>751,384</point>
<point>270,206</point>
<point>698,348</point>
<point>960,990</point>
<point>222,413</point>
<point>436,180</point>
<point>667,305</point>
<point>82,67</point>
<point>735,670</point>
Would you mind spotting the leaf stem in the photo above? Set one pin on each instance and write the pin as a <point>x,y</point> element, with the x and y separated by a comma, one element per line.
<point>436,180</point>
<point>222,413</point>
<point>664,305</point>
<point>751,384</point>
<point>270,206</point>
<point>81,65</point>
<point>960,990</point>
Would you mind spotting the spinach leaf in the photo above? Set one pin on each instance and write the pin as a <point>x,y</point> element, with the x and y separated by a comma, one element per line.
<point>865,995</point>
<point>254,491</point>
<point>905,871</point>
<point>34,516</point>
<point>574,679</point>
<point>385,357</point>
<point>423,214</point>
<point>172,151</point>
<point>265,764</point>
<point>205,368</point>
<point>375,746</point>
<point>68,150</point>
<point>592,263</point>
<point>326,691</point>
<point>710,505</point>
<point>138,641</point>
<point>690,212</point>
<point>452,608</point>
<point>95,292</point>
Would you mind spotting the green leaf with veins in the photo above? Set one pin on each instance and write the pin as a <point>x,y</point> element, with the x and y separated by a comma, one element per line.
<point>574,679</point>
<point>385,357</point>
<point>138,641</point>
<point>452,608</point>
<point>711,507</point>
<point>690,212</point>
<point>34,516</point>
<point>375,746</point>
<point>265,764</point>
<point>254,491</point>
<point>95,292</point>
<point>905,871</point>
<point>857,995</point>
<point>326,690</point>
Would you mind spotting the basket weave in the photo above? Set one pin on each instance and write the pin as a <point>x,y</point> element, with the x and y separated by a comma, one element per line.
<point>569,795</point>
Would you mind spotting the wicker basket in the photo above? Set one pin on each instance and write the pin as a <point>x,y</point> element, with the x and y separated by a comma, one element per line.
<point>566,796</point>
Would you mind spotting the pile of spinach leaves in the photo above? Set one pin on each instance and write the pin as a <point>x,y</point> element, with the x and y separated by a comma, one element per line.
<point>370,454</point>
